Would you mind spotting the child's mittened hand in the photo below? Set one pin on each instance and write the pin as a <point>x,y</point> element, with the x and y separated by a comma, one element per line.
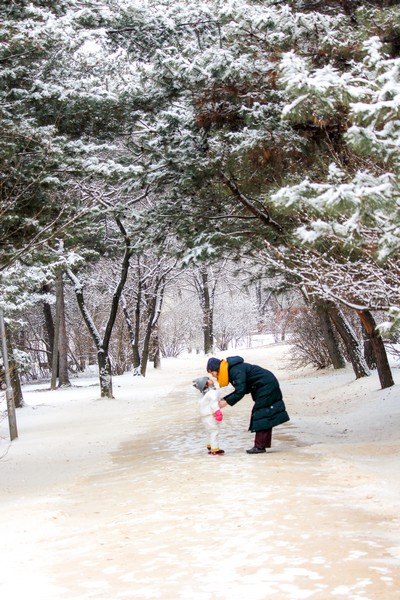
<point>218,415</point>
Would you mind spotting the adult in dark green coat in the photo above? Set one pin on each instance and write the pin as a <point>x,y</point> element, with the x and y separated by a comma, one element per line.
<point>269,409</point>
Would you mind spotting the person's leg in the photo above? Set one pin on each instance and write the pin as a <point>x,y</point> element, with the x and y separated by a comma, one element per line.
<point>207,429</point>
<point>263,439</point>
<point>212,427</point>
<point>214,439</point>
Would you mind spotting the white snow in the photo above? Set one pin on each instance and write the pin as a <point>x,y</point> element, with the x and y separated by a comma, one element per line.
<point>116,499</point>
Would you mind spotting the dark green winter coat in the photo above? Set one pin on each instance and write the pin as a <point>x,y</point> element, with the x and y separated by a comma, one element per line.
<point>269,409</point>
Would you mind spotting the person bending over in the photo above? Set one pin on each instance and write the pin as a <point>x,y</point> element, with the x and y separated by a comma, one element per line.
<point>269,408</point>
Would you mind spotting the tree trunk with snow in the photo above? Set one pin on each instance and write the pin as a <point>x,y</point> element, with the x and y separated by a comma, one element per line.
<point>368,351</point>
<point>102,348</point>
<point>14,375</point>
<point>206,303</point>
<point>350,341</point>
<point>105,376</point>
<point>133,333</point>
<point>102,345</point>
<point>63,378</point>
<point>146,351</point>
<point>48,327</point>
<point>378,348</point>
<point>136,333</point>
<point>152,320</point>
<point>55,353</point>
<point>155,355</point>
<point>335,354</point>
<point>60,348</point>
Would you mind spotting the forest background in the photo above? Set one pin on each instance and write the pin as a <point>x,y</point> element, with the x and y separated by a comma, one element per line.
<point>176,178</point>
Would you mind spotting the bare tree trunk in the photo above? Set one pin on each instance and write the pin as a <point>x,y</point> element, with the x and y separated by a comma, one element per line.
<point>103,361</point>
<point>55,357</point>
<point>13,370</point>
<point>49,328</point>
<point>262,300</point>
<point>378,347</point>
<point>350,341</point>
<point>63,379</point>
<point>154,314</point>
<point>12,421</point>
<point>106,388</point>
<point>136,336</point>
<point>60,348</point>
<point>149,296</point>
<point>133,332</point>
<point>206,306</point>
<point>155,349</point>
<point>145,355</point>
<point>335,354</point>
<point>102,345</point>
<point>368,351</point>
<point>157,359</point>
<point>120,358</point>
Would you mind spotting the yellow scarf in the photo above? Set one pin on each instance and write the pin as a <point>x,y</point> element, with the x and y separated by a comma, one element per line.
<point>223,377</point>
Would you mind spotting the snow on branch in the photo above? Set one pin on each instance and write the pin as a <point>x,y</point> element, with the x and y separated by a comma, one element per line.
<point>360,285</point>
<point>78,288</point>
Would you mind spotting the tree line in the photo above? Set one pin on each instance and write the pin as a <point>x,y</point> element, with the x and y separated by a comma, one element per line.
<point>142,141</point>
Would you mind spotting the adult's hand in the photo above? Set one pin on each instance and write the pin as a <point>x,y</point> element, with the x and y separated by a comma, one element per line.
<point>222,403</point>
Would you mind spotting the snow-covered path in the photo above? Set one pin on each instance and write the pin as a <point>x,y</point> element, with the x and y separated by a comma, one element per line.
<point>119,499</point>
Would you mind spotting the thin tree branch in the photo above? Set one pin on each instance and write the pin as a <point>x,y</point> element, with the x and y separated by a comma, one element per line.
<point>261,215</point>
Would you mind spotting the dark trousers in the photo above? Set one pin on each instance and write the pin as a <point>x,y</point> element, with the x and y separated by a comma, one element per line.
<point>263,439</point>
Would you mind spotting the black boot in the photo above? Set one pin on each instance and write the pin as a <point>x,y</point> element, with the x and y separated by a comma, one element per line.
<point>255,450</point>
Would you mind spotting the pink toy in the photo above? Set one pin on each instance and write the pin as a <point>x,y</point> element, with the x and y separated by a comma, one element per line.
<point>218,415</point>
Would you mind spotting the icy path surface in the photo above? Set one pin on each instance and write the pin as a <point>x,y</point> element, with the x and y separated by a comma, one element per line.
<point>130,505</point>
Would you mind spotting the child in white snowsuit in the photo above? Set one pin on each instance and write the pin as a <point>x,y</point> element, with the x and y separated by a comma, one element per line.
<point>210,413</point>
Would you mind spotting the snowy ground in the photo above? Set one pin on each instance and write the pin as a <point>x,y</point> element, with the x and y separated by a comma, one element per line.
<point>118,499</point>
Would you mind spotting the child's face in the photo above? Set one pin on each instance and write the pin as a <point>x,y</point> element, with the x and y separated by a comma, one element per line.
<point>209,383</point>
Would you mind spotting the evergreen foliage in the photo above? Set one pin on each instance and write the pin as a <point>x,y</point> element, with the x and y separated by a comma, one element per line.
<point>266,130</point>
